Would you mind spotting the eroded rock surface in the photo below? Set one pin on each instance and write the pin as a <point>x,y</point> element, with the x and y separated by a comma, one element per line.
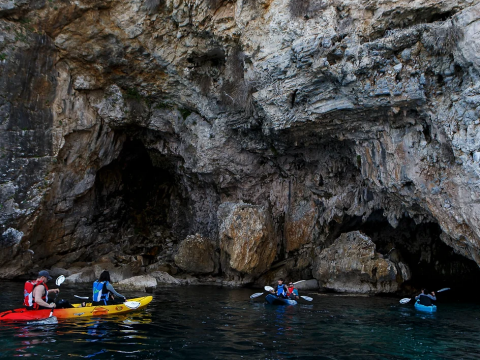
<point>195,255</point>
<point>351,264</point>
<point>127,127</point>
<point>246,240</point>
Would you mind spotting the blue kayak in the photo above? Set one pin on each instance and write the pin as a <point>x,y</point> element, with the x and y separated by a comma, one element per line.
<point>275,300</point>
<point>421,307</point>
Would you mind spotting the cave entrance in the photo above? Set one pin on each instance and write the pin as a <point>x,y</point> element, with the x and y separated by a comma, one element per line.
<point>432,263</point>
<point>138,203</point>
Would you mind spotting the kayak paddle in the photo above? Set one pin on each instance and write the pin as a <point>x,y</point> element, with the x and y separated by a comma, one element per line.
<point>308,298</point>
<point>58,282</point>
<point>253,296</point>
<point>295,283</point>
<point>81,297</point>
<point>132,304</point>
<point>268,288</point>
<point>406,300</point>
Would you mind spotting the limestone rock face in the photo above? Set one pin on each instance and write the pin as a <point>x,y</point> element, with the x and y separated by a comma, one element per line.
<point>245,238</point>
<point>195,254</point>
<point>351,264</point>
<point>126,126</point>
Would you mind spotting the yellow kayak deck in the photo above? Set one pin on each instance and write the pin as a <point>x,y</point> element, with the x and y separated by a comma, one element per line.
<point>89,310</point>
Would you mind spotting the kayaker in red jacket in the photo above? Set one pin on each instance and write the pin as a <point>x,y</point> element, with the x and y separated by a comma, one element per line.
<point>36,292</point>
<point>292,293</point>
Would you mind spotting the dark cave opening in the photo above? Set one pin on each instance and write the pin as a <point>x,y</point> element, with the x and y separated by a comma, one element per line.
<point>432,263</point>
<point>139,200</point>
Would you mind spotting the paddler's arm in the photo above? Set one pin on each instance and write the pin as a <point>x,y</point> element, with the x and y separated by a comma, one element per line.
<point>112,290</point>
<point>53,291</point>
<point>37,295</point>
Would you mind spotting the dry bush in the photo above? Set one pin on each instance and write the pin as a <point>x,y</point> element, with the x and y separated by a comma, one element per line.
<point>204,82</point>
<point>152,6</point>
<point>234,64</point>
<point>443,39</point>
<point>238,96</point>
<point>213,4</point>
<point>298,8</point>
<point>307,8</point>
<point>236,92</point>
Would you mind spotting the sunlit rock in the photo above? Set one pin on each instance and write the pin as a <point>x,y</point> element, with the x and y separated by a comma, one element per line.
<point>351,264</point>
<point>245,238</point>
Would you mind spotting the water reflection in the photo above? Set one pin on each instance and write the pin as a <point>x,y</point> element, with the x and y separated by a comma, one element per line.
<point>200,323</point>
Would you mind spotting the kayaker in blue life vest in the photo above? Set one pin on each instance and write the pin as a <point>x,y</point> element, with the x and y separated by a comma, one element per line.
<point>104,293</point>
<point>280,290</point>
<point>426,298</point>
<point>292,293</point>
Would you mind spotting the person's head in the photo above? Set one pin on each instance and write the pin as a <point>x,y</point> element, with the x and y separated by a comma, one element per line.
<point>104,276</point>
<point>44,276</point>
<point>291,285</point>
<point>424,291</point>
<point>280,281</point>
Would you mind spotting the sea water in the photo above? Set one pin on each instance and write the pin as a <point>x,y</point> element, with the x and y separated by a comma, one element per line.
<point>222,323</point>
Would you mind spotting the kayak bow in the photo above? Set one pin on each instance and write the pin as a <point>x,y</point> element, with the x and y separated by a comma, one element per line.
<point>274,300</point>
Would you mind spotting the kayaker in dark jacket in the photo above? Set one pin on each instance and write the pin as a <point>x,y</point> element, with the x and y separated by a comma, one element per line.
<point>104,293</point>
<point>426,298</point>
<point>280,290</point>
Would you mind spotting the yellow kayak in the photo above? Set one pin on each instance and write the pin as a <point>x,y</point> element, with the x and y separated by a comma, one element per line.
<point>77,311</point>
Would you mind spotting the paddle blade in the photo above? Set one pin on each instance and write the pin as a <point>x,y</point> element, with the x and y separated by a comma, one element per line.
<point>295,283</point>
<point>442,290</point>
<point>253,296</point>
<point>132,304</point>
<point>308,298</point>
<point>405,300</point>
<point>268,288</point>
<point>81,297</point>
<point>60,280</point>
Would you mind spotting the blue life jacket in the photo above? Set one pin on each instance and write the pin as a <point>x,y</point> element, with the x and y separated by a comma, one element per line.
<point>100,292</point>
<point>281,291</point>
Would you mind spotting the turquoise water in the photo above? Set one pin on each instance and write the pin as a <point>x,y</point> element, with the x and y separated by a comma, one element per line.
<point>218,323</point>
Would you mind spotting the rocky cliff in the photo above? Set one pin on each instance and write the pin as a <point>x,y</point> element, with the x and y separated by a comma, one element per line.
<point>242,141</point>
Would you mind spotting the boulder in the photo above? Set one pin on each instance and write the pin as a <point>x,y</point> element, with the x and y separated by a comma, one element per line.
<point>351,264</point>
<point>246,238</point>
<point>117,272</point>
<point>299,225</point>
<point>165,278</point>
<point>84,276</point>
<point>311,284</point>
<point>138,283</point>
<point>195,254</point>
<point>57,271</point>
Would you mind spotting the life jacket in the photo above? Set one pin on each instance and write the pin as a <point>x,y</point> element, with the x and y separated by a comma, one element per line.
<point>28,299</point>
<point>281,291</point>
<point>100,292</point>
<point>290,290</point>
